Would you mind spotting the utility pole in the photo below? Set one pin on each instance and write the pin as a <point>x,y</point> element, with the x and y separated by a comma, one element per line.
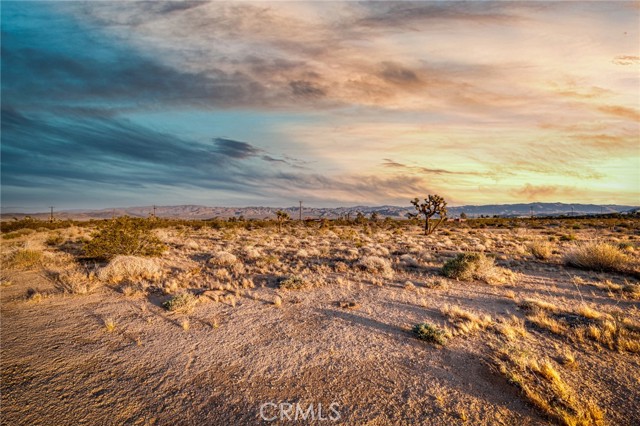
<point>51,214</point>
<point>154,211</point>
<point>300,212</point>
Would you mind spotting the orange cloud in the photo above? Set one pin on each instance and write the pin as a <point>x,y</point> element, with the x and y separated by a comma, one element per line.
<point>622,112</point>
<point>537,192</point>
<point>626,60</point>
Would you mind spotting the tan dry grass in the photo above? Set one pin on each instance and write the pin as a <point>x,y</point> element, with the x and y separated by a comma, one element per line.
<point>130,268</point>
<point>597,256</point>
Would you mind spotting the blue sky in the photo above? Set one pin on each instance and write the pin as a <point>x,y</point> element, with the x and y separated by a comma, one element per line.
<point>336,103</point>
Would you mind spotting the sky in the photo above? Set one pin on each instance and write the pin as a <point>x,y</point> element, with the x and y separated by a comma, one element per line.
<point>126,103</point>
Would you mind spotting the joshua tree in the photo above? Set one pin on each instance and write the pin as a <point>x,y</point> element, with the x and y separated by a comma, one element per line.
<point>432,205</point>
<point>281,217</point>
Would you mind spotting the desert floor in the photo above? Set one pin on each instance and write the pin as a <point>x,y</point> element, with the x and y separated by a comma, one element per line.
<point>530,341</point>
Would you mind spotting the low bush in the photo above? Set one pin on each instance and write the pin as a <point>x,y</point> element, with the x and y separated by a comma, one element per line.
<point>476,266</point>
<point>293,282</point>
<point>376,265</point>
<point>180,303</point>
<point>223,258</point>
<point>124,236</point>
<point>430,333</point>
<point>19,233</point>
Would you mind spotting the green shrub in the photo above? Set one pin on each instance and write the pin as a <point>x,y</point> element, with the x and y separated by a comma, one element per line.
<point>466,266</point>
<point>124,236</point>
<point>180,303</point>
<point>293,282</point>
<point>430,333</point>
<point>19,233</point>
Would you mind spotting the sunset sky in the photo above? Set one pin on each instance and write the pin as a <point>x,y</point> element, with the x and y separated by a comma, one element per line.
<point>110,104</point>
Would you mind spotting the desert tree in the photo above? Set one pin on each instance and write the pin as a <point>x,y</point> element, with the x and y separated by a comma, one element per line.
<point>432,205</point>
<point>282,217</point>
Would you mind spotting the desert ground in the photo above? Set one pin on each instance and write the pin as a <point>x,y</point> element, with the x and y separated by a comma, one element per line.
<point>514,322</point>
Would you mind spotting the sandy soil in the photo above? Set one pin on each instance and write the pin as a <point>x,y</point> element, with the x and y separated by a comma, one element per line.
<point>60,365</point>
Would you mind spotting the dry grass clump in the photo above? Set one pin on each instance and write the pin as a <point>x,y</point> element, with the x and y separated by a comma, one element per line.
<point>34,295</point>
<point>567,358</point>
<point>614,334</point>
<point>627,290</point>
<point>478,266</point>
<point>597,256</point>
<point>223,258</point>
<point>540,249</point>
<point>130,268</point>
<point>537,305</point>
<point>75,281</point>
<point>430,333</point>
<point>109,325</point>
<point>54,239</point>
<point>541,383</point>
<point>511,328</point>
<point>24,259</point>
<point>436,282</point>
<point>632,291</point>
<point>376,265</point>
<point>184,302</point>
<point>465,321</point>
<point>544,321</point>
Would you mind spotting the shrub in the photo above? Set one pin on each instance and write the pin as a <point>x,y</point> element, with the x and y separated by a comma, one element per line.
<point>223,258</point>
<point>376,265</point>
<point>597,256</point>
<point>293,282</point>
<point>430,333</point>
<point>540,249</point>
<point>129,267</point>
<point>19,233</point>
<point>180,303</point>
<point>467,266</point>
<point>124,236</point>
<point>24,259</point>
<point>54,239</point>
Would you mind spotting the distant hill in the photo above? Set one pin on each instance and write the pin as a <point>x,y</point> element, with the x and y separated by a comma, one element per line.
<point>205,212</point>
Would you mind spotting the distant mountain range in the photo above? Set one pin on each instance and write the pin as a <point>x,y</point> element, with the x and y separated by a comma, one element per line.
<point>205,212</point>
